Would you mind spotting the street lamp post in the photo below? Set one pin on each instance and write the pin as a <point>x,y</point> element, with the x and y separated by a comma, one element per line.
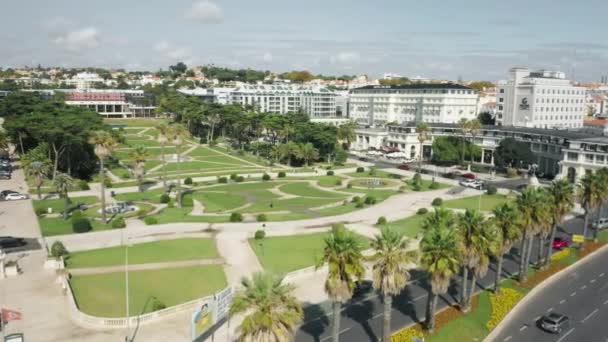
<point>127,290</point>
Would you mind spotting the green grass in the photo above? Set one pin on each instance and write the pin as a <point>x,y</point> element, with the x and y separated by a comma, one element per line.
<point>148,195</point>
<point>425,185</point>
<point>219,201</point>
<point>148,252</point>
<point>328,181</point>
<point>104,294</point>
<point>364,182</point>
<point>376,174</point>
<point>306,190</point>
<point>486,203</point>
<point>471,327</point>
<point>603,236</point>
<point>297,204</point>
<point>59,226</point>
<point>303,251</point>
<point>337,210</point>
<point>203,152</point>
<point>121,172</point>
<point>409,226</point>
<point>172,215</point>
<point>380,195</point>
<point>137,122</point>
<point>57,204</point>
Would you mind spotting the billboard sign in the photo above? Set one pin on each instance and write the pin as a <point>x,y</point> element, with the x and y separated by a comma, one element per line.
<point>210,312</point>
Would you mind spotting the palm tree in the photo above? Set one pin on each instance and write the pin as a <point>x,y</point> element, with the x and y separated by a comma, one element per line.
<point>440,258</point>
<point>390,270</point>
<point>104,144</point>
<point>39,170</point>
<point>63,182</point>
<point>280,152</point>
<point>561,197</point>
<point>473,127</point>
<point>423,130</point>
<point>178,133</point>
<point>342,254</point>
<point>162,138</point>
<point>286,131</point>
<point>272,311</point>
<point>602,183</point>
<point>346,132</point>
<point>292,149</point>
<point>469,224</point>
<point>441,216</point>
<point>532,209</point>
<point>139,156</point>
<point>4,141</point>
<point>485,243</point>
<point>307,152</point>
<point>505,220</point>
<point>589,194</point>
<point>463,124</point>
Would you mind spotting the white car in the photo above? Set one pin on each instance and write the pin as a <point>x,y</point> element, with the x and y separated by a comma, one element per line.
<point>472,183</point>
<point>15,197</point>
<point>602,223</point>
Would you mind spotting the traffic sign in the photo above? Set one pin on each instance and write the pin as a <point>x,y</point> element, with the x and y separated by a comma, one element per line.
<point>578,238</point>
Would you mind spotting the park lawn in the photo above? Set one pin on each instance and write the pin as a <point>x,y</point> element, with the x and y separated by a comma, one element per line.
<point>198,165</point>
<point>425,185</point>
<point>297,204</point>
<point>375,174</point>
<point>603,236</point>
<point>148,195</point>
<point>219,201</point>
<point>409,226</point>
<point>148,252</point>
<point>59,226</point>
<point>244,156</point>
<point>328,181</point>
<point>306,190</point>
<point>338,210</point>
<point>287,217</point>
<point>173,215</point>
<point>57,204</point>
<point>380,195</point>
<point>104,294</point>
<point>124,154</point>
<point>137,122</point>
<point>121,172</point>
<point>203,151</point>
<point>221,159</point>
<point>486,202</point>
<point>366,183</point>
<point>303,251</point>
<point>134,142</point>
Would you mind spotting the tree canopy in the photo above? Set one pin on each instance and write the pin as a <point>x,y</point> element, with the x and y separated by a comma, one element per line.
<point>513,153</point>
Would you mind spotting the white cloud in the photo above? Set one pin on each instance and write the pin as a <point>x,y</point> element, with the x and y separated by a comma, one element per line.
<point>78,40</point>
<point>345,57</point>
<point>169,51</point>
<point>205,12</point>
<point>267,57</point>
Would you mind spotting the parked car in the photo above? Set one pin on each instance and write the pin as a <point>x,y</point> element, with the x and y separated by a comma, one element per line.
<point>5,175</point>
<point>11,242</point>
<point>560,243</point>
<point>403,167</point>
<point>554,322</point>
<point>602,223</point>
<point>6,192</point>
<point>472,183</point>
<point>469,175</point>
<point>15,197</point>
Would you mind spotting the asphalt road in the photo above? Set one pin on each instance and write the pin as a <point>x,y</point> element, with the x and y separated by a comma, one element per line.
<point>582,295</point>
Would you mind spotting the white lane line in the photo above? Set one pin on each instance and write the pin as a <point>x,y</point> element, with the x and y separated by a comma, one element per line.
<point>573,294</point>
<point>606,302</point>
<point>589,315</point>
<point>592,281</point>
<point>562,301</point>
<point>341,332</point>
<point>508,338</point>
<point>564,335</point>
<point>523,328</point>
<point>601,274</point>
<point>550,309</point>
<point>536,319</point>
<point>583,287</point>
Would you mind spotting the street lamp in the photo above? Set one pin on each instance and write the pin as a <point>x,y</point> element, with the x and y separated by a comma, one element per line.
<point>127,288</point>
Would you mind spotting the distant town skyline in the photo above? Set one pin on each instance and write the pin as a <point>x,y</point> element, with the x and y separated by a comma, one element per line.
<point>435,39</point>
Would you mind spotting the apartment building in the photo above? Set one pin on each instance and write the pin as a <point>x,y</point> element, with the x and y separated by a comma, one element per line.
<point>113,103</point>
<point>540,99</point>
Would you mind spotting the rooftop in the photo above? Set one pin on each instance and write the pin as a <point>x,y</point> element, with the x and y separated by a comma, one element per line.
<point>417,86</point>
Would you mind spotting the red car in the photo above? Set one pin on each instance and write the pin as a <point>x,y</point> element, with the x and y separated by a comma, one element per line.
<point>560,243</point>
<point>469,176</point>
<point>403,167</point>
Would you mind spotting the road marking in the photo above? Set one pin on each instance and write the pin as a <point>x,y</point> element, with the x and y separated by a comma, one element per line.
<point>606,302</point>
<point>536,319</point>
<point>523,328</point>
<point>564,335</point>
<point>583,287</point>
<point>340,333</point>
<point>562,301</point>
<point>601,275</point>
<point>589,315</point>
<point>550,309</point>
<point>592,281</point>
<point>573,294</point>
<point>508,338</point>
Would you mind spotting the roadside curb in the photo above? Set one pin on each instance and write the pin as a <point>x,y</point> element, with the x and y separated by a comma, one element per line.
<point>555,277</point>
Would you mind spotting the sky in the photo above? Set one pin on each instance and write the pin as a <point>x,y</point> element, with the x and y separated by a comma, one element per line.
<point>447,39</point>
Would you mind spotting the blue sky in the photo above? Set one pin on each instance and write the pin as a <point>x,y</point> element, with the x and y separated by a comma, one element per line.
<point>440,39</point>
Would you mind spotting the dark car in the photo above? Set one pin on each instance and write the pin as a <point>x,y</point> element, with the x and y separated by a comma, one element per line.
<point>403,167</point>
<point>554,322</point>
<point>5,175</point>
<point>11,242</point>
<point>469,175</point>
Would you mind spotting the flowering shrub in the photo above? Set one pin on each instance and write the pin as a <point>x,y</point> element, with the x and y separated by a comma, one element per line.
<point>501,305</point>
<point>408,334</point>
<point>560,255</point>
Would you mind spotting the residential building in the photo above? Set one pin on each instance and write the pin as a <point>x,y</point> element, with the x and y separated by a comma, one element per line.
<point>113,103</point>
<point>211,95</point>
<point>540,99</point>
<point>428,102</point>
<point>85,80</point>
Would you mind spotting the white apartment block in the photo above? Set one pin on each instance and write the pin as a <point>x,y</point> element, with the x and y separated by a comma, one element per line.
<point>113,103</point>
<point>85,80</point>
<point>317,102</point>
<point>446,103</point>
<point>541,99</point>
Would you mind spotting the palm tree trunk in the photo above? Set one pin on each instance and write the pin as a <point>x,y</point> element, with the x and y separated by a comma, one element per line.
<point>585,229</point>
<point>549,253</point>
<point>38,191</point>
<point>164,162</point>
<point>599,214</point>
<point>388,303</point>
<point>541,250</point>
<point>522,260</point>
<point>471,290</point>
<point>498,274</point>
<point>335,333</point>
<point>430,311</point>
<point>66,203</point>
<point>103,190</point>
<point>464,144</point>
<point>529,253</point>
<point>420,160</point>
<point>21,143</point>
<point>463,288</point>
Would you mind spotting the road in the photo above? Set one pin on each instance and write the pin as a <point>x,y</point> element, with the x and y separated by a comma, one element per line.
<point>582,295</point>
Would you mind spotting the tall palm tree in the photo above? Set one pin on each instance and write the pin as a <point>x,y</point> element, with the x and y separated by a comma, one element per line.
<point>346,132</point>
<point>162,138</point>
<point>468,226</point>
<point>39,170</point>
<point>342,254</point>
<point>292,149</point>
<point>4,141</point>
<point>505,220</point>
<point>440,258</point>
<point>589,194</point>
<point>287,130</point>
<point>422,129</point>
<point>307,152</point>
<point>602,183</point>
<point>440,216</point>
<point>104,144</point>
<point>272,311</point>
<point>532,209</point>
<point>63,182</point>
<point>463,124</point>
<point>473,128</point>
<point>280,152</point>
<point>139,156</point>
<point>485,244</point>
<point>178,133</point>
<point>561,195</point>
<point>390,270</point>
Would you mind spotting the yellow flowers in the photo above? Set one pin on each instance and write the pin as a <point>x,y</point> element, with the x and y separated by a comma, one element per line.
<point>501,305</point>
<point>560,255</point>
<point>408,334</point>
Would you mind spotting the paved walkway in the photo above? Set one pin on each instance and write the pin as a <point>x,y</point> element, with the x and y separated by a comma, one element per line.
<point>240,260</point>
<point>144,267</point>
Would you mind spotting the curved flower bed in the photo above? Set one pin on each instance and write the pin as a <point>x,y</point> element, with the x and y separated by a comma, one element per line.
<point>501,305</point>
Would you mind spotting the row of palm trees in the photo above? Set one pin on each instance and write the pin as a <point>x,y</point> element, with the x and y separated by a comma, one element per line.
<point>307,152</point>
<point>452,244</point>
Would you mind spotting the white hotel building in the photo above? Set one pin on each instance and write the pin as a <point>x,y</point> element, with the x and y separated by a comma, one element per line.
<point>542,99</point>
<point>446,103</point>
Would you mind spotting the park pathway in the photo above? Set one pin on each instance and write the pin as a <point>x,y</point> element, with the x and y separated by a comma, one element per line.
<point>240,260</point>
<point>145,267</point>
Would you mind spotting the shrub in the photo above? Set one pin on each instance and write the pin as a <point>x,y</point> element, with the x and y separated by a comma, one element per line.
<point>360,169</point>
<point>437,202</point>
<point>188,181</point>
<point>417,187</point>
<point>259,234</point>
<point>164,198</point>
<point>417,179</point>
<point>81,225</point>
<point>266,177</point>
<point>408,334</point>
<point>381,220</point>
<point>118,222</point>
<point>345,202</point>
<point>222,180</point>
<point>349,186</point>
<point>233,176</point>
<point>501,305</point>
<point>560,255</point>
<point>330,173</point>
<point>372,171</point>
<point>402,188</point>
<point>281,174</point>
<point>511,172</point>
<point>370,200</point>
<point>40,211</point>
<point>262,218</point>
<point>356,199</point>
<point>338,182</point>
<point>76,214</point>
<point>141,213</point>
<point>58,250</point>
<point>491,190</point>
<point>83,185</point>
<point>434,185</point>
<point>158,305</point>
<point>359,204</point>
<point>240,179</point>
<point>150,220</point>
<point>171,204</point>
<point>236,217</point>
<point>422,211</point>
